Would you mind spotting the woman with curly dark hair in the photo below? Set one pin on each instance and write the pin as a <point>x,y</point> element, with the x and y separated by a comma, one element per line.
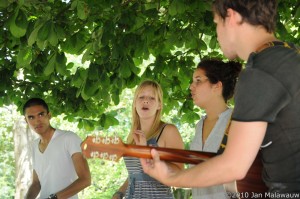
<point>213,85</point>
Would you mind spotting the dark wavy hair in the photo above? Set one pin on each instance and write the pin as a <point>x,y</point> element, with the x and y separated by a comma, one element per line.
<point>254,12</point>
<point>34,102</point>
<point>225,72</point>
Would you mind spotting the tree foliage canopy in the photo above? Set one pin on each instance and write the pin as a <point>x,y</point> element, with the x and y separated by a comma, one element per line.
<point>113,38</point>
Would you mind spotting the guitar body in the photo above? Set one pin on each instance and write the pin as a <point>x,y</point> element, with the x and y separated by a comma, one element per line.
<point>112,148</point>
<point>253,184</point>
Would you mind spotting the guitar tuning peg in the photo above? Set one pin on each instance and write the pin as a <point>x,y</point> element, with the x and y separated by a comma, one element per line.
<point>115,135</point>
<point>113,157</point>
<point>103,141</point>
<point>104,155</point>
<point>95,154</point>
<point>107,140</point>
<point>116,140</point>
<point>96,139</point>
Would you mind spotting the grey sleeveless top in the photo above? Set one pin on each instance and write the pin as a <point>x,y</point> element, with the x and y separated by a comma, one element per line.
<point>141,185</point>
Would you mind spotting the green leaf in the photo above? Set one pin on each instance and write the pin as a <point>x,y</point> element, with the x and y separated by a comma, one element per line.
<point>24,57</point>
<point>60,32</point>
<point>192,43</point>
<point>84,96</point>
<point>21,20</point>
<point>33,37</point>
<point>41,44</point>
<point>102,120</point>
<point>190,117</point>
<point>110,121</point>
<point>80,124</point>
<point>115,96</point>
<point>103,94</point>
<point>61,61</point>
<point>75,44</point>
<point>18,24</point>
<point>88,125</point>
<point>87,54</point>
<point>139,22</point>
<point>51,65</point>
<point>297,14</point>
<point>91,88</point>
<point>104,79</point>
<point>78,92</point>
<point>213,43</point>
<point>137,61</point>
<point>4,3</point>
<point>281,29</point>
<point>93,72</point>
<point>175,39</point>
<point>132,67</point>
<point>177,7</point>
<point>53,39</point>
<point>44,31</point>
<point>203,45</point>
<point>74,4</point>
<point>82,10</point>
<point>125,70</point>
<point>133,81</point>
<point>76,80</point>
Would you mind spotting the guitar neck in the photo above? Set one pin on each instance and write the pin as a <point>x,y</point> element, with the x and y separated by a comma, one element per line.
<point>168,154</point>
<point>113,148</point>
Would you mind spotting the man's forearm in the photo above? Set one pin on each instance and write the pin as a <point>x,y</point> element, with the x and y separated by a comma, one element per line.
<point>77,186</point>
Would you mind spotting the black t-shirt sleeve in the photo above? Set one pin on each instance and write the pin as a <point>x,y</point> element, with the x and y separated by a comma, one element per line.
<point>258,97</point>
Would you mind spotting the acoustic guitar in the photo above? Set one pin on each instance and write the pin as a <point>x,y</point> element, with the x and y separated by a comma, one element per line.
<point>113,148</point>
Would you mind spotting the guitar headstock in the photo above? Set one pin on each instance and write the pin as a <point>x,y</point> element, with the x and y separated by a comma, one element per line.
<point>109,148</point>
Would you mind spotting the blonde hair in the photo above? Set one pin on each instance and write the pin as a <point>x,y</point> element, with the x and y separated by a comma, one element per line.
<point>135,121</point>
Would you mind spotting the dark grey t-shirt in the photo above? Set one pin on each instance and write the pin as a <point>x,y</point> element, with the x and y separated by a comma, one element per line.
<point>269,90</point>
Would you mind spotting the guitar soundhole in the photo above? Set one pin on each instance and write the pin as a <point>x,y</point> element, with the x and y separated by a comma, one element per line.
<point>253,182</point>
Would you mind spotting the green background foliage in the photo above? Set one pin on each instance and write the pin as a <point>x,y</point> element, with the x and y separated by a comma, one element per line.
<point>7,164</point>
<point>113,38</point>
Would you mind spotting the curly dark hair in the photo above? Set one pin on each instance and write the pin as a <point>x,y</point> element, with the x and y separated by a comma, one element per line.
<point>254,12</point>
<point>225,72</point>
